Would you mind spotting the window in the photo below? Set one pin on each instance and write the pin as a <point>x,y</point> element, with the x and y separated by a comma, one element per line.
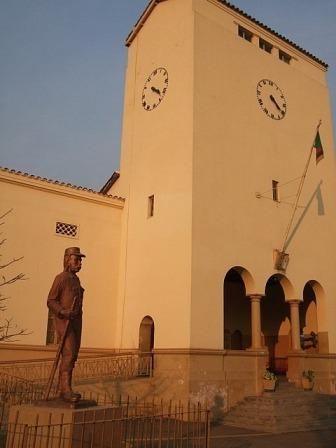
<point>244,33</point>
<point>150,211</point>
<point>275,190</point>
<point>266,46</point>
<point>284,57</point>
<point>63,228</point>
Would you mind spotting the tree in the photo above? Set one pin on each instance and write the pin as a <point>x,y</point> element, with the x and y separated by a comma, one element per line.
<point>8,328</point>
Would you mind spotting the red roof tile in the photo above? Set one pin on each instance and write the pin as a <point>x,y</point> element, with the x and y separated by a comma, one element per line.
<point>57,182</point>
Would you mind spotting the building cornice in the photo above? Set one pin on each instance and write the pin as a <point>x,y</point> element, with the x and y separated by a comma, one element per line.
<point>59,188</point>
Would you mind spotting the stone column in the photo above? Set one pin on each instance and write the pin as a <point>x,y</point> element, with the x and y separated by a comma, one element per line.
<point>255,322</point>
<point>295,325</point>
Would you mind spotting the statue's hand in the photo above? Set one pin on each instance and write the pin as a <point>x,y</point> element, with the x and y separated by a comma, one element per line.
<point>68,314</point>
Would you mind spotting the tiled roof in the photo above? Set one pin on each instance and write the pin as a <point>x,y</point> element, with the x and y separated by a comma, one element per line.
<point>267,28</point>
<point>57,182</point>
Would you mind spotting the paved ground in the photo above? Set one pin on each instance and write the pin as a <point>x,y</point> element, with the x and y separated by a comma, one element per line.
<point>228,437</point>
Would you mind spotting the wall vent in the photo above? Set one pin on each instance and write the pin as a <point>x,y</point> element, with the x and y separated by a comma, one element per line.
<point>65,229</point>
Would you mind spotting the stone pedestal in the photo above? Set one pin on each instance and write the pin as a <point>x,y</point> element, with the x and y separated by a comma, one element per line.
<point>51,426</point>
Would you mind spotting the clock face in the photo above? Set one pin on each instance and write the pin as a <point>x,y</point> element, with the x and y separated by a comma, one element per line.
<point>155,88</point>
<point>271,99</point>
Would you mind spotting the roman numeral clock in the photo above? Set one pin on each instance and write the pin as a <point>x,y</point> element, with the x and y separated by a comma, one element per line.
<point>155,89</point>
<point>271,99</point>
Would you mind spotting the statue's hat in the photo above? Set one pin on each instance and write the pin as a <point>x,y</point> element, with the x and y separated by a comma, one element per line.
<point>73,251</point>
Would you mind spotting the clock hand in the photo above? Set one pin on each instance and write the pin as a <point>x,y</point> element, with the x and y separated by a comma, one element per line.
<point>154,89</point>
<point>274,101</point>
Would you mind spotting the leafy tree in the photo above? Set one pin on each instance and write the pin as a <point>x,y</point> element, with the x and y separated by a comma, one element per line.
<point>8,328</point>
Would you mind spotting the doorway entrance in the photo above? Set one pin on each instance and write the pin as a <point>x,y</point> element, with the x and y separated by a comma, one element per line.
<point>275,324</point>
<point>146,339</point>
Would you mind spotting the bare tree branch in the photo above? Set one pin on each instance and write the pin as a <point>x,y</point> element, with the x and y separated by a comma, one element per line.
<point>10,262</point>
<point>11,280</point>
<point>6,213</point>
<point>9,330</point>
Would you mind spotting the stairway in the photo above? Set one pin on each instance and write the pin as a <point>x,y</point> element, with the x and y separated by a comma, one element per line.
<point>287,409</point>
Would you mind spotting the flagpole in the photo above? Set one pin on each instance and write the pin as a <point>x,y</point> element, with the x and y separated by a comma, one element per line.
<point>300,189</point>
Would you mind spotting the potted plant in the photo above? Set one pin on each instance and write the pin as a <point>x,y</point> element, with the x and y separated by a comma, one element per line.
<point>270,380</point>
<point>308,379</point>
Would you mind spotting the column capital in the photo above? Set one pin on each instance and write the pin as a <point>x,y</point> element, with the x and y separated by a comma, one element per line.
<point>294,301</point>
<point>256,296</point>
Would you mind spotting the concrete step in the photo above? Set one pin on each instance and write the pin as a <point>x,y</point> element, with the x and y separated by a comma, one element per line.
<point>289,408</point>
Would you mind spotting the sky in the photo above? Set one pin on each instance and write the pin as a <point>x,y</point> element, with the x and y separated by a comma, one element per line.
<point>62,77</point>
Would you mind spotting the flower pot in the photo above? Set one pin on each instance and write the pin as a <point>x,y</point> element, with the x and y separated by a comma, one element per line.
<point>269,385</point>
<point>307,384</point>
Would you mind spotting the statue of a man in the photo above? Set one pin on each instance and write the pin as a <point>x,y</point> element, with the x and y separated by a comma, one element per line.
<point>65,302</point>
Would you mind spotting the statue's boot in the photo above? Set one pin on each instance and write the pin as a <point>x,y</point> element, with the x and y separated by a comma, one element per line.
<point>67,394</point>
<point>76,393</point>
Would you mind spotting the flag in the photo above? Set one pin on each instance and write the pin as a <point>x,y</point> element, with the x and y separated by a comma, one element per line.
<point>318,147</point>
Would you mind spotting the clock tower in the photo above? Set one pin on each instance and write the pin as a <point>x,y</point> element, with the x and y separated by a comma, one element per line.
<point>220,116</point>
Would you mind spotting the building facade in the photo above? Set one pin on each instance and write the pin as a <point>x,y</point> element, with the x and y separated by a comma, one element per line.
<point>220,116</point>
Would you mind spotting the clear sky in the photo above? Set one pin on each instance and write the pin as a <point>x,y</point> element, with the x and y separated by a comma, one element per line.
<point>62,75</point>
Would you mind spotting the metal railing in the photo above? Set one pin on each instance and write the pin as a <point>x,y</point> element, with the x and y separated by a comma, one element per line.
<point>116,421</point>
<point>171,427</point>
<point>122,367</point>
<point>15,391</point>
<point>116,366</point>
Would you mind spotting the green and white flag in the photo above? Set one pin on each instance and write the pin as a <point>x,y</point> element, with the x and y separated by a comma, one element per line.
<point>318,148</point>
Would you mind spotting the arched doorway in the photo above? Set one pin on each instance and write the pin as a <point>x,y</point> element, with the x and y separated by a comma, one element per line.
<point>146,342</point>
<point>275,324</point>
<point>237,311</point>
<point>308,320</point>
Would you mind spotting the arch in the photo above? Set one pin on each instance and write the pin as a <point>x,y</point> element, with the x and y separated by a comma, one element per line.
<point>247,279</point>
<point>237,311</point>
<point>285,283</point>
<point>146,335</point>
<point>313,318</point>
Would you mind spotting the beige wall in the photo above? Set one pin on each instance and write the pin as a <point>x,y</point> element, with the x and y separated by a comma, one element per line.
<point>238,151</point>
<point>156,159</point>
<point>30,232</point>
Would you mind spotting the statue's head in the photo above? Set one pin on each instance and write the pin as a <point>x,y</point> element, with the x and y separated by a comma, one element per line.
<point>72,259</point>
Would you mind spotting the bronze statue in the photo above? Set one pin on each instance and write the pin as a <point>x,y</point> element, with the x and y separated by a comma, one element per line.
<point>65,302</point>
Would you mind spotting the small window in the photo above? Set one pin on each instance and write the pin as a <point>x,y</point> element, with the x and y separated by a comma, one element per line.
<point>150,211</point>
<point>266,46</point>
<point>244,33</point>
<point>63,228</point>
<point>275,190</point>
<point>284,57</point>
